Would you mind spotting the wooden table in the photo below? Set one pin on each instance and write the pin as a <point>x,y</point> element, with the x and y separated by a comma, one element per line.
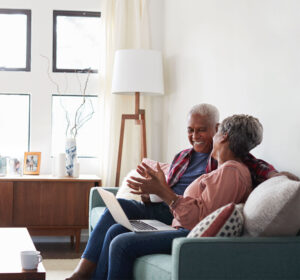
<point>12,242</point>
<point>46,205</point>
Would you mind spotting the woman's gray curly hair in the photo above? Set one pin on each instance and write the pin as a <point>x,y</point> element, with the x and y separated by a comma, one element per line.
<point>244,133</point>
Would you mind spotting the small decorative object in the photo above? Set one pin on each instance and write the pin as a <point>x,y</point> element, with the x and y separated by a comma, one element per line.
<point>76,169</point>
<point>70,156</point>
<point>13,166</point>
<point>60,165</point>
<point>2,166</point>
<point>32,162</point>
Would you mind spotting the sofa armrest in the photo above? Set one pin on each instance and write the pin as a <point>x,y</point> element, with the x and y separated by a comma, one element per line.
<point>95,199</point>
<point>236,258</point>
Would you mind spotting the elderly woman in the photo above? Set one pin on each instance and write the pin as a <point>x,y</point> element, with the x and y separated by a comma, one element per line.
<point>231,182</point>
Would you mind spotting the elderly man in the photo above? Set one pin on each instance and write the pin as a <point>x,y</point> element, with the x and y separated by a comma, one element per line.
<point>186,167</point>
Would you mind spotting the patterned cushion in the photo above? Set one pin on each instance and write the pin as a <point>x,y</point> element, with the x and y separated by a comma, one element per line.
<point>225,221</point>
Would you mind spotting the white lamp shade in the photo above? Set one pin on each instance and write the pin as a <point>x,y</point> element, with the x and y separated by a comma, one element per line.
<point>138,71</point>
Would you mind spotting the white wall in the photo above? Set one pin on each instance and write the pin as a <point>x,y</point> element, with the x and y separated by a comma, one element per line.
<point>241,55</point>
<point>37,83</point>
<point>155,136</point>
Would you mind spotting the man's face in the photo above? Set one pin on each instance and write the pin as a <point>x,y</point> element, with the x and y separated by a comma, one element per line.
<point>200,133</point>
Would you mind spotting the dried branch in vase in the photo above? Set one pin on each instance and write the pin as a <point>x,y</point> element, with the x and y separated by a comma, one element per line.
<point>85,110</point>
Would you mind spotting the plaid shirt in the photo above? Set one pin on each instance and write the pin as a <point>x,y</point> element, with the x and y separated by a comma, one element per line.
<point>258,168</point>
<point>178,166</point>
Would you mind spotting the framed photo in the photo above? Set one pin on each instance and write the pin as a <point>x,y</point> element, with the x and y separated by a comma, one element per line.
<point>32,162</point>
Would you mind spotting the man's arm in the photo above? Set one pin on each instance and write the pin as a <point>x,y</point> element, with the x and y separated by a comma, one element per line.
<point>291,176</point>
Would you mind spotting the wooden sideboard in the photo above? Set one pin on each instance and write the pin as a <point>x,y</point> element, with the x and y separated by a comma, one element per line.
<point>46,205</point>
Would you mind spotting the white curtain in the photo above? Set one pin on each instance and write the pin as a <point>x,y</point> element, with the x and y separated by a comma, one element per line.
<point>126,26</point>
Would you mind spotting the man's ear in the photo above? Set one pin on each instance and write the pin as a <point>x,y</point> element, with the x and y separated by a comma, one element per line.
<point>217,127</point>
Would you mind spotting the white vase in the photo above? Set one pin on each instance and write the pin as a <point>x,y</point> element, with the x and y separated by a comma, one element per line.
<point>70,156</point>
<point>59,167</point>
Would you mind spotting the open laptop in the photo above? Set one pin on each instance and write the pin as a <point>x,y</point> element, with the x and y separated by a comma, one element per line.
<point>120,217</point>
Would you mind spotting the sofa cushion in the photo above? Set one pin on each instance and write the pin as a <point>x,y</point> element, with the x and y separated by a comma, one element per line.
<point>273,208</point>
<point>95,214</point>
<point>156,266</point>
<point>225,221</point>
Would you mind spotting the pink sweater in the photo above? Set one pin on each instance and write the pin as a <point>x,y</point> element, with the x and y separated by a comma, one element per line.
<point>231,182</point>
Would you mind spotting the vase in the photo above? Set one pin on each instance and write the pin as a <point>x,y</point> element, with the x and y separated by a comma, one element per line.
<point>70,156</point>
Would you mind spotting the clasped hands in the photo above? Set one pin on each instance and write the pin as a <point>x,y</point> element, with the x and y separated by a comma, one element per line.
<point>152,181</point>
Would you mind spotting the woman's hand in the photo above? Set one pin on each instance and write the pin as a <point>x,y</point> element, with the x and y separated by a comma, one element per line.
<point>152,181</point>
<point>145,197</point>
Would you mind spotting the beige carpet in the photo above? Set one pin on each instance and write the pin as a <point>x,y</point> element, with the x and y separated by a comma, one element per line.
<point>59,269</point>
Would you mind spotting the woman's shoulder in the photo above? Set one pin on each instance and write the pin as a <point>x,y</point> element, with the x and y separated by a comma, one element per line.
<point>233,166</point>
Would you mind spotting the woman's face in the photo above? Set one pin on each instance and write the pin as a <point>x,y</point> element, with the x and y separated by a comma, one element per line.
<point>200,133</point>
<point>216,144</point>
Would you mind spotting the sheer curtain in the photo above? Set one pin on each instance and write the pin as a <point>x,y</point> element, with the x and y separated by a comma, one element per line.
<point>126,26</point>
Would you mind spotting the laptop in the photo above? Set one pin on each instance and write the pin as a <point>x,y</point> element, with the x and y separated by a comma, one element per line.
<point>120,217</point>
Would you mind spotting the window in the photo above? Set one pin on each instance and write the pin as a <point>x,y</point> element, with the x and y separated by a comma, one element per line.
<point>15,34</point>
<point>76,41</point>
<point>14,124</point>
<point>88,137</point>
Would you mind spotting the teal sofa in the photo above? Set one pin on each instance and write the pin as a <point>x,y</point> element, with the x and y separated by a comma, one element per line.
<point>215,258</point>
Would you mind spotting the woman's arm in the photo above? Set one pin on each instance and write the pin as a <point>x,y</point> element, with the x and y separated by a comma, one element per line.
<point>209,193</point>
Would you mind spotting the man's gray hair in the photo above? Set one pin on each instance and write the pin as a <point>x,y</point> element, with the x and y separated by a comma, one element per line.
<point>208,110</point>
<point>244,133</point>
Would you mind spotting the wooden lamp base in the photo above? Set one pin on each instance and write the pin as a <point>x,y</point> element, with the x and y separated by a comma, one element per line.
<point>139,118</point>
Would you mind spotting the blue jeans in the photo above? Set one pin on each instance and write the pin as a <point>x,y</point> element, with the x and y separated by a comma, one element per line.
<point>113,248</point>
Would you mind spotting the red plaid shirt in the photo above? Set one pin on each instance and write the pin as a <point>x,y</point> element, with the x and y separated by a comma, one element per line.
<point>178,166</point>
<point>258,168</point>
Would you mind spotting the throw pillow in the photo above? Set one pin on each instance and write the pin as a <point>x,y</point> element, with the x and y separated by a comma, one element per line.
<point>125,192</point>
<point>152,163</point>
<point>273,208</point>
<point>225,221</point>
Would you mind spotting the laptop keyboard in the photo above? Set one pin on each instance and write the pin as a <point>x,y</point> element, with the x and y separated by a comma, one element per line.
<point>142,226</point>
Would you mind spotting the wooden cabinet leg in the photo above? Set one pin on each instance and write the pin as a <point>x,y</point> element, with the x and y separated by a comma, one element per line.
<point>77,245</point>
<point>72,240</point>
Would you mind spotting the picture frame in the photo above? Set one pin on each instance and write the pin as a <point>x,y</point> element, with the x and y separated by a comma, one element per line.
<point>32,162</point>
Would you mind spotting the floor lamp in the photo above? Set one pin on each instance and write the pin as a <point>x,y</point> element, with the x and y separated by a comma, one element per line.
<point>136,71</point>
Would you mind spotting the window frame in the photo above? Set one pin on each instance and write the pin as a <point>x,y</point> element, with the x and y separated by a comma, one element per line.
<point>28,38</point>
<point>29,113</point>
<point>57,13</point>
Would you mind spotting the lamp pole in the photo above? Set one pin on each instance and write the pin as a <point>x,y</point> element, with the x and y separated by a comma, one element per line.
<point>140,119</point>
